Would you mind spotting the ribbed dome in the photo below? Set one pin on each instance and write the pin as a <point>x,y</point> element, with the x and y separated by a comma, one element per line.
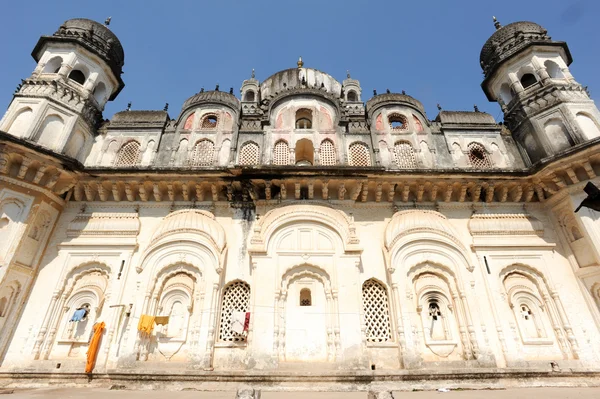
<point>509,39</point>
<point>414,221</point>
<point>190,220</point>
<point>394,99</point>
<point>98,31</point>
<point>93,36</point>
<point>299,78</point>
<point>211,97</point>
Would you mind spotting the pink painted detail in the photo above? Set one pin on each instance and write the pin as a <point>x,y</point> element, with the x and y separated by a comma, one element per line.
<point>326,123</point>
<point>379,122</point>
<point>418,124</point>
<point>188,122</point>
<point>279,123</point>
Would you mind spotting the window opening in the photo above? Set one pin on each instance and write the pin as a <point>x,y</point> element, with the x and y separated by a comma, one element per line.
<point>209,122</point>
<point>376,312</point>
<point>398,122</point>
<point>203,153</point>
<point>249,154</point>
<point>305,297</point>
<point>77,76</point>
<point>249,96</point>
<point>352,96</point>
<point>528,80</point>
<point>304,119</point>
<point>327,155</point>
<point>128,154</point>
<point>404,155</point>
<point>236,297</point>
<point>434,310</point>
<point>281,153</point>
<point>478,156</point>
<point>359,154</point>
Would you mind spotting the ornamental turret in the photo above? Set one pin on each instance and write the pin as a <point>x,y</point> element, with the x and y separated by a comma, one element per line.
<point>60,105</point>
<point>544,107</point>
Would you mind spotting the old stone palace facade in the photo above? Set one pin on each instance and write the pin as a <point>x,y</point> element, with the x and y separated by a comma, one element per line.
<point>351,233</point>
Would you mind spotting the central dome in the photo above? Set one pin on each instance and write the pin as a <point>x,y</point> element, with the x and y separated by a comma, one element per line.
<point>299,77</point>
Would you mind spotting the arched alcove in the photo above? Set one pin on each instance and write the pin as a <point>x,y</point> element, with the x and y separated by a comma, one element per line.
<point>305,152</point>
<point>51,131</point>
<point>22,122</point>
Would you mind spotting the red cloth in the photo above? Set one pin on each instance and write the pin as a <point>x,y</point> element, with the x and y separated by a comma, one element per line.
<point>247,322</point>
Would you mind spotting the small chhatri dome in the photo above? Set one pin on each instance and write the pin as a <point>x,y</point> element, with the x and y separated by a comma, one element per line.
<point>509,40</point>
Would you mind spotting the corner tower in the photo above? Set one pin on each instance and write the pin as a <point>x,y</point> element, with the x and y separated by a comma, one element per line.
<point>60,105</point>
<point>527,73</point>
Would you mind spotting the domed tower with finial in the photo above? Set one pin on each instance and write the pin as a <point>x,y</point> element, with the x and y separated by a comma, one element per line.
<point>544,107</point>
<point>250,95</point>
<point>60,105</point>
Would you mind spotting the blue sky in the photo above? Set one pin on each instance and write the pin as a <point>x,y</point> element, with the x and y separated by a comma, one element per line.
<point>429,48</point>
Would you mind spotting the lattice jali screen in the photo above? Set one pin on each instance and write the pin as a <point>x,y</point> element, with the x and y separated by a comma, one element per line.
<point>129,154</point>
<point>281,153</point>
<point>203,153</point>
<point>404,155</point>
<point>236,297</point>
<point>327,154</point>
<point>376,312</point>
<point>359,155</point>
<point>249,154</point>
<point>478,157</point>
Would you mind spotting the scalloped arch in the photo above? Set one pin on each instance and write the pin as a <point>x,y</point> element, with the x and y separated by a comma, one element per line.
<point>276,218</point>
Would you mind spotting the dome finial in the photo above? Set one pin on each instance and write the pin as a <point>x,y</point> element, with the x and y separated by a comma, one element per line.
<point>496,23</point>
<point>107,21</point>
<point>348,73</point>
<point>252,73</point>
<point>300,62</point>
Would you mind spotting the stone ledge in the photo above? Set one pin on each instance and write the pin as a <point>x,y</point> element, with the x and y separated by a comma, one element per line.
<point>401,380</point>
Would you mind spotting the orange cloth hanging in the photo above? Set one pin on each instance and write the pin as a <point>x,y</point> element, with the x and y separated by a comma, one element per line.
<point>146,324</point>
<point>94,346</point>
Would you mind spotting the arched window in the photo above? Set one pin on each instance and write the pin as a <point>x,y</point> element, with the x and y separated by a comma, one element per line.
<point>51,131</point>
<point>22,122</point>
<point>352,97</point>
<point>53,65</point>
<point>100,92</point>
<point>327,155</point>
<point>528,80</point>
<point>478,156</point>
<point>404,155</point>
<point>203,153</point>
<point>77,76</point>
<point>376,312</point>
<point>437,327</point>
<point>304,119</point>
<point>249,154</point>
<point>418,124</point>
<point>359,154</point>
<point>305,297</point>
<point>588,125</point>
<point>553,70</point>
<point>281,153</point>
<point>129,154</point>
<point>236,298</point>
<point>209,121</point>
<point>305,152</point>
<point>506,93</point>
<point>249,96</point>
<point>398,122</point>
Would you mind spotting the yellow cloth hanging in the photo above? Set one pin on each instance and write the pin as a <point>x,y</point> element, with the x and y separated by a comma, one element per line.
<point>94,346</point>
<point>146,324</point>
<point>161,320</point>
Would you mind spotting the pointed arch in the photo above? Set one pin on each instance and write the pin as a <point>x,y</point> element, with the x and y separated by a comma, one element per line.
<point>404,155</point>
<point>376,310</point>
<point>235,298</point>
<point>203,153</point>
<point>21,122</point>
<point>249,154</point>
<point>359,154</point>
<point>128,154</point>
<point>281,153</point>
<point>478,156</point>
<point>327,153</point>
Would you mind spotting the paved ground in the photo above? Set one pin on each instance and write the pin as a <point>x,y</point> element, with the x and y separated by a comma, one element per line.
<point>97,393</point>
